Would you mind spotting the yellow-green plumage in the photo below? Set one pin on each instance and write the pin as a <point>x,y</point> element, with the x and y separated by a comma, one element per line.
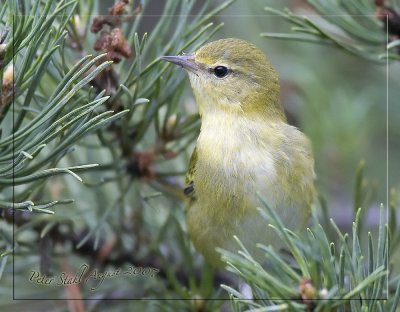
<point>244,146</point>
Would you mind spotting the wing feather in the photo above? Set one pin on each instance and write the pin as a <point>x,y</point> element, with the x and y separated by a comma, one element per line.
<point>189,188</point>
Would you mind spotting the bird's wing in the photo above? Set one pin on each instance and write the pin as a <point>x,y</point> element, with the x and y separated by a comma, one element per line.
<point>189,188</point>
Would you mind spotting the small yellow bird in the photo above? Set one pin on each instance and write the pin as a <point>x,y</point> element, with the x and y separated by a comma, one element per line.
<point>245,146</point>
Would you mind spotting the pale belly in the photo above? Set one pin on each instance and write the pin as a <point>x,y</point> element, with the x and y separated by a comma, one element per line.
<point>227,204</point>
<point>232,167</point>
<point>208,234</point>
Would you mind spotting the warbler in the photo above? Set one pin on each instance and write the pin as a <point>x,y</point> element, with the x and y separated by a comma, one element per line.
<point>245,146</point>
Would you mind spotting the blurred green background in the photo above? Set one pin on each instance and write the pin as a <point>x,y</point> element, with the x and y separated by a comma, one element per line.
<point>346,105</point>
<point>337,99</point>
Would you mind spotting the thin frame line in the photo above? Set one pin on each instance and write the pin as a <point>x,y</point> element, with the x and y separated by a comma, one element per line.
<point>219,15</point>
<point>223,15</point>
<point>13,153</point>
<point>387,149</point>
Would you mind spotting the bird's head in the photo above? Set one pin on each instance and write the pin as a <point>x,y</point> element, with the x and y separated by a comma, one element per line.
<point>232,75</point>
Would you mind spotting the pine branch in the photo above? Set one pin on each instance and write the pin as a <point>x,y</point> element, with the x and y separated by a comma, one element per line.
<point>355,26</point>
<point>338,272</point>
<point>86,93</point>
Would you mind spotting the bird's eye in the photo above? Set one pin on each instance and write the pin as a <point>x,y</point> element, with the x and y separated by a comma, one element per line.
<point>220,71</point>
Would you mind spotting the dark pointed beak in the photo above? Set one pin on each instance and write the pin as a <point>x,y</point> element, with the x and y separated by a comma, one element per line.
<point>186,61</point>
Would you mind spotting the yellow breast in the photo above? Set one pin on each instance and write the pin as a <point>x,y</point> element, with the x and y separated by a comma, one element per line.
<point>237,158</point>
<point>232,162</point>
